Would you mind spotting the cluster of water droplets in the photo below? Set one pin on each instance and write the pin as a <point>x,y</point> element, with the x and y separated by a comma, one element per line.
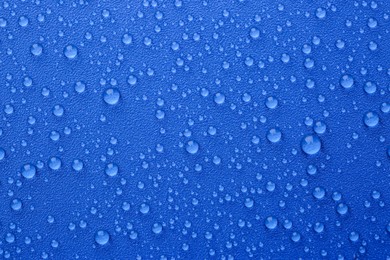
<point>198,124</point>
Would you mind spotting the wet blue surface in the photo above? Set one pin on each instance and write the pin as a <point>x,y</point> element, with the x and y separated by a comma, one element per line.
<point>195,129</point>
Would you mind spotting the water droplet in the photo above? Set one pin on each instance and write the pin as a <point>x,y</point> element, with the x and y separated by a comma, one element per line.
<point>192,147</point>
<point>353,236</point>
<point>132,80</point>
<point>370,87</point>
<point>157,228</point>
<point>79,87</point>
<point>219,98</point>
<point>58,110</point>
<point>77,165</point>
<point>319,193</point>
<point>311,144</point>
<point>371,119</point>
<point>23,21</point>
<point>295,237</point>
<point>144,209</point>
<point>111,96</point>
<point>319,227</point>
<point>271,222</point>
<point>311,169</point>
<point>2,154</point>
<point>271,102</point>
<point>274,135</point>
<point>55,163</point>
<point>321,13</point>
<point>319,127</point>
<point>29,171</point>
<point>127,39</point>
<point>70,51</point>
<point>111,169</point>
<point>254,33</point>
<point>36,49</point>
<point>342,209</point>
<point>102,237</point>
<point>249,203</point>
<point>16,204</point>
<point>346,81</point>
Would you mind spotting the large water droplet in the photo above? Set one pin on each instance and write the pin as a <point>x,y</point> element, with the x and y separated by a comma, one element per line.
<point>70,51</point>
<point>55,163</point>
<point>111,169</point>
<point>311,144</point>
<point>144,209</point>
<point>254,33</point>
<point>274,135</point>
<point>192,147</point>
<point>219,98</point>
<point>346,81</point>
<point>111,96</point>
<point>157,228</point>
<point>77,165</point>
<point>102,237</point>
<point>371,119</point>
<point>36,49</point>
<point>16,204</point>
<point>29,171</point>
<point>271,222</point>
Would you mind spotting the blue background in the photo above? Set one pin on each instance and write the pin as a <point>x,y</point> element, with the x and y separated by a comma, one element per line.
<point>192,194</point>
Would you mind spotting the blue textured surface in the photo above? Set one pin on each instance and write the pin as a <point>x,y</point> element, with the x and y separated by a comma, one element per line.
<point>203,155</point>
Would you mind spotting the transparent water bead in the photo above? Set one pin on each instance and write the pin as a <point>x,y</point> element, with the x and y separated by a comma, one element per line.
<point>70,51</point>
<point>111,96</point>
<point>102,237</point>
<point>311,144</point>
